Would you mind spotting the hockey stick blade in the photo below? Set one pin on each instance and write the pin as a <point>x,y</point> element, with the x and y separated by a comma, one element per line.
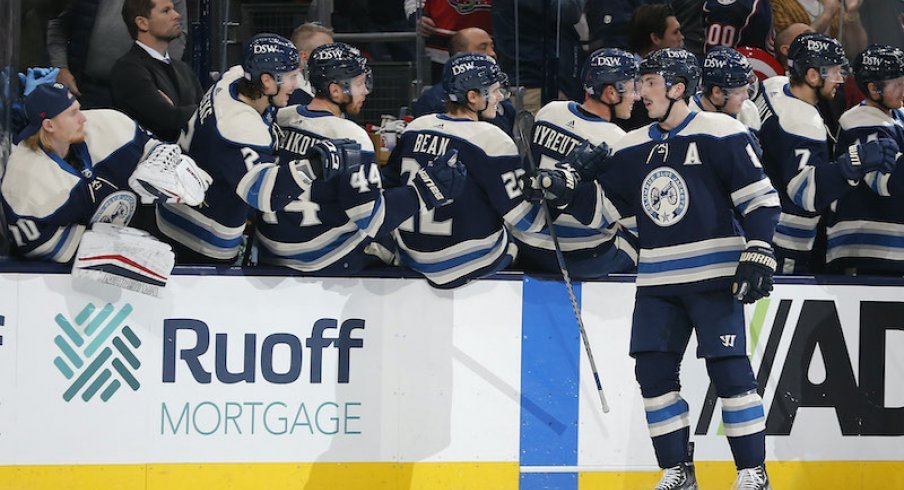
<point>524,124</point>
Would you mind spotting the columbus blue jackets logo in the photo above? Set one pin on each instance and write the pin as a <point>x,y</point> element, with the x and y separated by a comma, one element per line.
<point>664,196</point>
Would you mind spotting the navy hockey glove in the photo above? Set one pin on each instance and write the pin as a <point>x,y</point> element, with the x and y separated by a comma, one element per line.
<point>441,181</point>
<point>587,160</point>
<point>859,160</point>
<point>556,186</point>
<point>753,278</point>
<point>330,158</point>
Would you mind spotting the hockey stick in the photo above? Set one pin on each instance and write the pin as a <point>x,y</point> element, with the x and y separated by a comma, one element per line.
<point>524,124</point>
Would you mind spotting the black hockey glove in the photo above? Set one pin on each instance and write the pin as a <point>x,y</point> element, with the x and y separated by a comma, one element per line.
<point>753,278</point>
<point>441,181</point>
<point>330,158</point>
<point>556,186</point>
<point>860,160</point>
<point>587,160</point>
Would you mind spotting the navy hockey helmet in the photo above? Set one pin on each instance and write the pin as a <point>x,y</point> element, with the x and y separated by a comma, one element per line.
<point>336,63</point>
<point>470,71</point>
<point>726,68</point>
<point>877,64</point>
<point>271,54</point>
<point>608,66</point>
<point>815,50</point>
<point>675,65</point>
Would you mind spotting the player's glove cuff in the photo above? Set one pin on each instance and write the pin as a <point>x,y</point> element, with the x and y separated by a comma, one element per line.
<point>330,158</point>
<point>556,186</point>
<point>441,181</point>
<point>586,160</point>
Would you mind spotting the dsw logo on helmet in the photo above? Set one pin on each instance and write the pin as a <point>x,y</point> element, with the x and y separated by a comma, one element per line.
<point>97,352</point>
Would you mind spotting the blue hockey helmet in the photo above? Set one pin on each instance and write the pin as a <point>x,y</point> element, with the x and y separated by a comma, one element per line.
<point>675,65</point>
<point>336,63</point>
<point>877,64</point>
<point>271,54</point>
<point>815,50</point>
<point>608,66</point>
<point>470,71</point>
<point>726,68</point>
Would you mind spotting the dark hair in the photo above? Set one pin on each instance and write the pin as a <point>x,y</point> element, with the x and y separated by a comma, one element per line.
<point>135,8</point>
<point>646,20</point>
<point>253,90</point>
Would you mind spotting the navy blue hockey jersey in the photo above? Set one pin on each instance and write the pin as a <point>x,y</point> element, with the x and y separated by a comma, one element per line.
<point>329,227</point>
<point>49,201</point>
<point>735,23</point>
<point>467,238</point>
<point>798,155</point>
<point>559,127</point>
<point>695,196</point>
<point>865,228</point>
<point>235,144</point>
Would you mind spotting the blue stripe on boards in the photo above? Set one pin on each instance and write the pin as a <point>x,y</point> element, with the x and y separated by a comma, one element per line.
<point>550,383</point>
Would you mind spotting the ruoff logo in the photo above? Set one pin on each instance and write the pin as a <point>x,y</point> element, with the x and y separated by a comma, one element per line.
<point>93,346</point>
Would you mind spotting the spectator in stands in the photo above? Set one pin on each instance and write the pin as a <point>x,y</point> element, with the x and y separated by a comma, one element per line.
<point>440,21</point>
<point>608,21</point>
<point>306,38</point>
<point>539,48</point>
<point>87,38</point>
<point>884,22</point>
<point>783,41</point>
<point>159,92</point>
<point>824,16</point>
<point>433,101</point>
<point>693,28</point>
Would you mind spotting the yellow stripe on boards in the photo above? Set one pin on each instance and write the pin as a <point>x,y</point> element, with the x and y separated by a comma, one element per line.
<point>255,476</point>
<point>792,475</point>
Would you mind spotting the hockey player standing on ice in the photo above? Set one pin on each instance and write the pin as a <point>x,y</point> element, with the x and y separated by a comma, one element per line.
<point>71,168</point>
<point>728,81</point>
<point>232,137</point>
<point>798,152</point>
<point>466,239</point>
<point>561,126</point>
<point>332,226</point>
<point>693,189</point>
<point>864,227</point>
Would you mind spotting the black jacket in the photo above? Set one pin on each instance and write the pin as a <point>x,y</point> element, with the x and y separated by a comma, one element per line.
<point>137,81</point>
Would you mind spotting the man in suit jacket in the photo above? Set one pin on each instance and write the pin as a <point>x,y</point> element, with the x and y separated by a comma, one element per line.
<point>159,92</point>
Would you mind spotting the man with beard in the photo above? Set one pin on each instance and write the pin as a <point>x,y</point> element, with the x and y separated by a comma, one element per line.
<point>799,154</point>
<point>70,167</point>
<point>159,92</point>
<point>232,136</point>
<point>338,225</point>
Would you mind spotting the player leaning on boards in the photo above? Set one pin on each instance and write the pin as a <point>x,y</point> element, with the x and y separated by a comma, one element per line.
<point>688,184</point>
<point>798,154</point>
<point>231,137</point>
<point>728,81</point>
<point>468,238</point>
<point>560,129</point>
<point>866,225</point>
<point>336,225</point>
<point>70,167</point>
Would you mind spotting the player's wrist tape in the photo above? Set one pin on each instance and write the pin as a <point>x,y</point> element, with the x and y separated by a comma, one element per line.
<point>757,256</point>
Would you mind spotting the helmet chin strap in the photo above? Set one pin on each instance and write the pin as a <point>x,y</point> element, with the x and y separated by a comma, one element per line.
<point>881,100</point>
<point>718,107</point>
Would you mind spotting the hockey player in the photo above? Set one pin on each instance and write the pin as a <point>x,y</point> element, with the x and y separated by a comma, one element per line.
<point>332,227</point>
<point>865,226</point>
<point>739,23</point>
<point>688,185</point>
<point>466,239</point>
<point>728,82</point>
<point>231,137</point>
<point>798,152</point>
<point>71,168</point>
<point>591,252</point>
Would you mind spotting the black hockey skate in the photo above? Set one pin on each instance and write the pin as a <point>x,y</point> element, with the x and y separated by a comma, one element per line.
<point>681,477</point>
<point>753,479</point>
